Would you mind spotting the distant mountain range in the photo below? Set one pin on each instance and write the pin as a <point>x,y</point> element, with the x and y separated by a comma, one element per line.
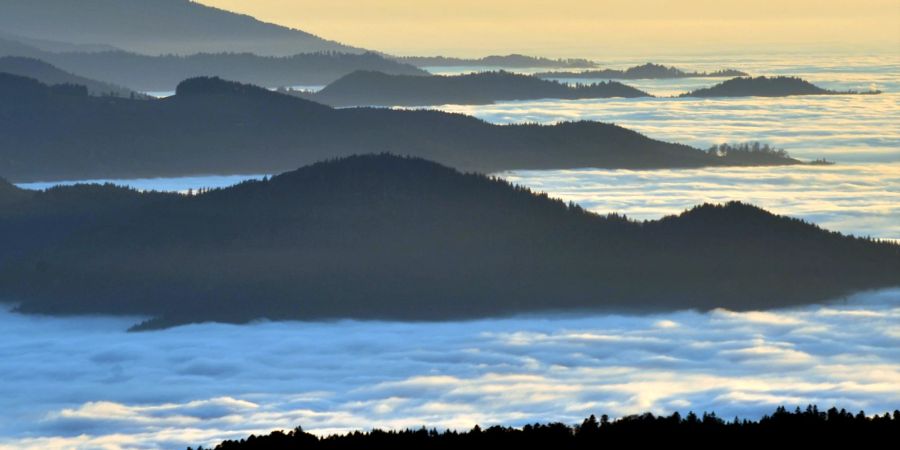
<point>384,237</point>
<point>513,61</point>
<point>216,126</point>
<point>49,74</point>
<point>163,73</point>
<point>646,71</point>
<point>365,88</point>
<point>156,27</point>
<point>55,46</point>
<point>766,87</point>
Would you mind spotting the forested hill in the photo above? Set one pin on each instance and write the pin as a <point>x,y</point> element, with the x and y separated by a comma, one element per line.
<point>645,71</point>
<point>364,88</point>
<point>766,87</point>
<point>215,126</point>
<point>385,237</point>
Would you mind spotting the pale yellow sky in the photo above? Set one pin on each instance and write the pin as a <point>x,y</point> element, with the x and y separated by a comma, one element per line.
<point>589,27</point>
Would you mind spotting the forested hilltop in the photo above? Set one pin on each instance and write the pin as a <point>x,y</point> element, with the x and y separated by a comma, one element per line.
<point>215,126</point>
<point>646,71</point>
<point>384,237</point>
<point>365,88</point>
<point>780,86</point>
<point>800,428</point>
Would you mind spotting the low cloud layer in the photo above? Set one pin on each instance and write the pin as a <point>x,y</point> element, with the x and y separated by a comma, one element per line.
<point>840,128</point>
<point>85,383</point>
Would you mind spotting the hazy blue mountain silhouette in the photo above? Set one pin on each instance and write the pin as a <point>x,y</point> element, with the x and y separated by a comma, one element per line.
<point>645,71</point>
<point>55,46</point>
<point>156,27</point>
<point>49,74</point>
<point>215,126</point>
<point>384,237</point>
<point>163,73</point>
<point>513,61</point>
<point>780,86</point>
<point>365,88</point>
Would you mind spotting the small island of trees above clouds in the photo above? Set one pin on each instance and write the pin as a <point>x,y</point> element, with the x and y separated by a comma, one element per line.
<point>801,428</point>
<point>381,237</point>
<point>217,126</point>
<point>646,71</point>
<point>780,86</point>
<point>374,88</point>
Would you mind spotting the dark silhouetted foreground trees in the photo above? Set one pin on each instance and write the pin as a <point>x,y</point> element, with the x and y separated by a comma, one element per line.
<point>799,428</point>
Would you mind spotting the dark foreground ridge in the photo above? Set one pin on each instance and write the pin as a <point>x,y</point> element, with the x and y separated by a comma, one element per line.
<point>767,87</point>
<point>804,429</point>
<point>646,71</point>
<point>216,126</point>
<point>366,88</point>
<point>381,237</point>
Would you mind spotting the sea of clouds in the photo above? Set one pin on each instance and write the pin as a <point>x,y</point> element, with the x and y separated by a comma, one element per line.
<point>841,128</point>
<point>85,383</point>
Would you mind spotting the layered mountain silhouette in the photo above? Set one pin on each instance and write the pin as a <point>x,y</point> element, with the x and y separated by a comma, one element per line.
<point>645,71</point>
<point>51,75</point>
<point>156,27</point>
<point>163,73</point>
<point>513,61</point>
<point>215,126</point>
<point>48,45</point>
<point>366,88</point>
<point>780,86</point>
<point>385,237</point>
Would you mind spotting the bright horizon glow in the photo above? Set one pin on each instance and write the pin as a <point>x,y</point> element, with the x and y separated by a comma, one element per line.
<point>579,28</point>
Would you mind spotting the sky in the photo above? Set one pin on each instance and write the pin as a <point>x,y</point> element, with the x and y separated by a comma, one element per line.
<point>588,28</point>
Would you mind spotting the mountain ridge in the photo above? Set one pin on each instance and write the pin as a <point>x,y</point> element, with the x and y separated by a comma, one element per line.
<point>368,88</point>
<point>381,237</point>
<point>158,27</point>
<point>245,130</point>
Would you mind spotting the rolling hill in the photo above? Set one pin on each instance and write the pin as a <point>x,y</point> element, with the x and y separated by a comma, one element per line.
<point>385,237</point>
<point>365,88</point>
<point>215,126</point>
